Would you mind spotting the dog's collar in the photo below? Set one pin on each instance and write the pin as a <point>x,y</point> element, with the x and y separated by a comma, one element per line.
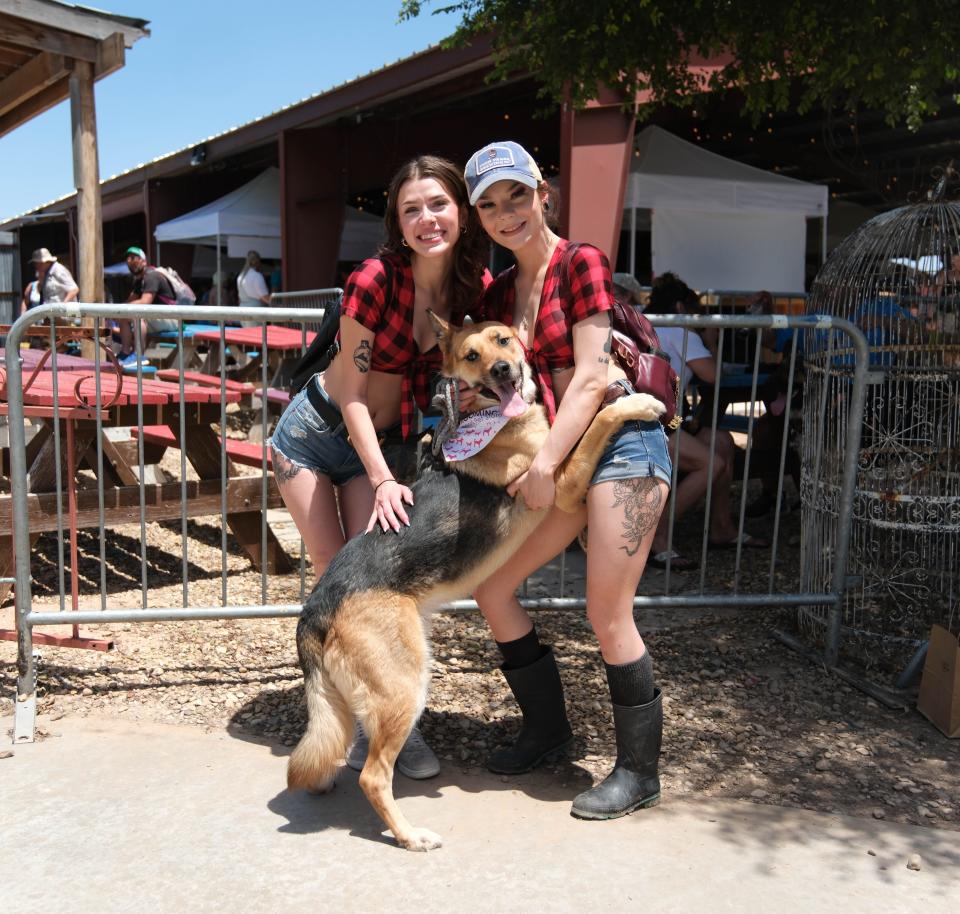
<point>473,434</point>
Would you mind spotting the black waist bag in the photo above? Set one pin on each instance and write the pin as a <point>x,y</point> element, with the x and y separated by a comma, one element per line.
<point>320,352</point>
<point>326,344</point>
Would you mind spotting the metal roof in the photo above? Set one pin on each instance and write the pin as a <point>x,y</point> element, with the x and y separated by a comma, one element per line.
<point>463,59</point>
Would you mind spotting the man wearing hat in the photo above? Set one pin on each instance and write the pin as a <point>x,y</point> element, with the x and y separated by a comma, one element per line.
<point>150,287</point>
<point>54,282</point>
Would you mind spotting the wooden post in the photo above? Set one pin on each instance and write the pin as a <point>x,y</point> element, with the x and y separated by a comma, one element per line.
<point>86,178</point>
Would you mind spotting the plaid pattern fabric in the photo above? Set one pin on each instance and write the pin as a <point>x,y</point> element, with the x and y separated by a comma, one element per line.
<point>395,349</point>
<point>590,292</point>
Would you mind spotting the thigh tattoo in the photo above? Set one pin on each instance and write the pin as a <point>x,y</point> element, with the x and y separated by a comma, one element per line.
<point>642,501</point>
<point>283,469</point>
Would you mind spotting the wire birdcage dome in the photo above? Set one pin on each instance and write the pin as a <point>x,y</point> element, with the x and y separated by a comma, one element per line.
<point>898,279</point>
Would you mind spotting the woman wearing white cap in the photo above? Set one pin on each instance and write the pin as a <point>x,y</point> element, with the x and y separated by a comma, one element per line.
<point>558,296</point>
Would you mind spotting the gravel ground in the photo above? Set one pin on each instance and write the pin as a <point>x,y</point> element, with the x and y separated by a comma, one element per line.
<point>745,717</point>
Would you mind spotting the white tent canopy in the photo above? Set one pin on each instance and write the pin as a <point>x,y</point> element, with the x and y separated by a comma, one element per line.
<point>251,211</point>
<point>717,223</point>
<point>248,218</point>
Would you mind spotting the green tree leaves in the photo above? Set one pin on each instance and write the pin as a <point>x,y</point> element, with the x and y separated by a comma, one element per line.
<point>890,56</point>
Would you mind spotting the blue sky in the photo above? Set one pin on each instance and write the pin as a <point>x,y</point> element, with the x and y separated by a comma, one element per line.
<point>207,66</point>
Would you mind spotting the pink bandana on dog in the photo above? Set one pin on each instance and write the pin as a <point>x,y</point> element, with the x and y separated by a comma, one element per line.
<point>473,434</point>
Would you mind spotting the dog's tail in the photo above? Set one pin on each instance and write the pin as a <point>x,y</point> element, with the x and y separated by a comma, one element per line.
<point>313,764</point>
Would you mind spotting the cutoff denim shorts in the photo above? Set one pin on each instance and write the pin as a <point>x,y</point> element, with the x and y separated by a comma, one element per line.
<point>639,449</point>
<point>305,439</point>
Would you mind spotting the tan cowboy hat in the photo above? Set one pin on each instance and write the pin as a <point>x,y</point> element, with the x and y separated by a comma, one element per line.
<point>42,255</point>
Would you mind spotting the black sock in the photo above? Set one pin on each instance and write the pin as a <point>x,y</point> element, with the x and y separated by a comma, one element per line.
<point>631,684</point>
<point>522,652</point>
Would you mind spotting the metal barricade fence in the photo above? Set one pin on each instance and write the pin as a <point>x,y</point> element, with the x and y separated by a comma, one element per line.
<point>181,415</point>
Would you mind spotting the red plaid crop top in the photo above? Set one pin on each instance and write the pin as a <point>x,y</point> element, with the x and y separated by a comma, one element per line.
<point>395,350</point>
<point>590,292</point>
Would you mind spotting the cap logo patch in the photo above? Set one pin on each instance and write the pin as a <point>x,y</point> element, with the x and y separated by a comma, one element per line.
<point>497,157</point>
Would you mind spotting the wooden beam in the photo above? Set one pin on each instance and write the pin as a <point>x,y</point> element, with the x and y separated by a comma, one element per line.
<point>40,102</point>
<point>110,56</point>
<point>33,77</point>
<point>78,20</point>
<point>44,38</point>
<point>86,178</point>
<point>163,502</point>
<point>12,56</point>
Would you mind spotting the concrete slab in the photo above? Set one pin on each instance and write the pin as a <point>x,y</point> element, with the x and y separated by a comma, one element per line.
<point>108,817</point>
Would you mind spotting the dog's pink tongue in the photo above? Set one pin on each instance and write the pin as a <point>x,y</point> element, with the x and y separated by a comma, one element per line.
<point>511,403</point>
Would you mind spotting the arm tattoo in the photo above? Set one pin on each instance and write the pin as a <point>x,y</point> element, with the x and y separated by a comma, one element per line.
<point>605,358</point>
<point>642,501</point>
<point>361,356</point>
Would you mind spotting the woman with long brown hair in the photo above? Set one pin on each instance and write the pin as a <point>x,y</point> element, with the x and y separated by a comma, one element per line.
<point>329,445</point>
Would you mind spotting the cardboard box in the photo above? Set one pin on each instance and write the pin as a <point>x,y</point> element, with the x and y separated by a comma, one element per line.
<point>939,698</point>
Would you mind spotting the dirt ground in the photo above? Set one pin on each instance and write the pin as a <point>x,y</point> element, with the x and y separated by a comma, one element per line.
<point>745,717</point>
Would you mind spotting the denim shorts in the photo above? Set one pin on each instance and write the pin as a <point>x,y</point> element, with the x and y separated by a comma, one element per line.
<point>305,439</point>
<point>638,449</point>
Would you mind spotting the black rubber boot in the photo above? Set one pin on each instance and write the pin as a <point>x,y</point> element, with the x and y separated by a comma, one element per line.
<point>545,729</point>
<point>633,783</point>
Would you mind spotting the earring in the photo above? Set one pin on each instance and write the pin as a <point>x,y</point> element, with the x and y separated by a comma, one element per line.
<point>463,230</point>
<point>403,243</point>
<point>546,206</point>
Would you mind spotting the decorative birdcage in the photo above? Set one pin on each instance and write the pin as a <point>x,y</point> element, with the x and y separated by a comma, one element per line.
<point>898,279</point>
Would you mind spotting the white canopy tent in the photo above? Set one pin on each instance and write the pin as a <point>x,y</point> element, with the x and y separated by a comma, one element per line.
<point>248,218</point>
<point>717,223</point>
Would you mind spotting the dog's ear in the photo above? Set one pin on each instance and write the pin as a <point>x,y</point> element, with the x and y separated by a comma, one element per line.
<point>440,326</point>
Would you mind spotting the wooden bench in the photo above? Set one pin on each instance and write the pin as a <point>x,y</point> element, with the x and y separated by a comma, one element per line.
<point>277,395</point>
<point>206,380</point>
<point>247,453</point>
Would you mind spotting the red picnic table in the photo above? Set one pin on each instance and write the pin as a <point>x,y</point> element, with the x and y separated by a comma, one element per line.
<point>281,343</point>
<point>31,358</point>
<point>121,402</point>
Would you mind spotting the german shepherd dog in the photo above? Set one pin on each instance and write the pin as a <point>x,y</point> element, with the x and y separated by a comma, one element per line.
<point>362,637</point>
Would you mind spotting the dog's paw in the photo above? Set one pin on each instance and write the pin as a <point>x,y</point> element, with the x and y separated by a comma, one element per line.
<point>642,406</point>
<point>420,839</point>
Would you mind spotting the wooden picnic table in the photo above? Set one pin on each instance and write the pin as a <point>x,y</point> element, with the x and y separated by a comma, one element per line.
<point>30,358</point>
<point>282,343</point>
<point>121,402</point>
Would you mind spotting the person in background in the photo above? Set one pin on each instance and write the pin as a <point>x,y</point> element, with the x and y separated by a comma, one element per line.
<point>54,281</point>
<point>31,296</point>
<point>220,292</point>
<point>252,287</point>
<point>276,277</point>
<point>671,295</point>
<point>627,289</point>
<point>150,287</point>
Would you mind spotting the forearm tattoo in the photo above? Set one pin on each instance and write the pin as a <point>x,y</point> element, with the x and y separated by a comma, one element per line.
<point>642,501</point>
<point>361,356</point>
